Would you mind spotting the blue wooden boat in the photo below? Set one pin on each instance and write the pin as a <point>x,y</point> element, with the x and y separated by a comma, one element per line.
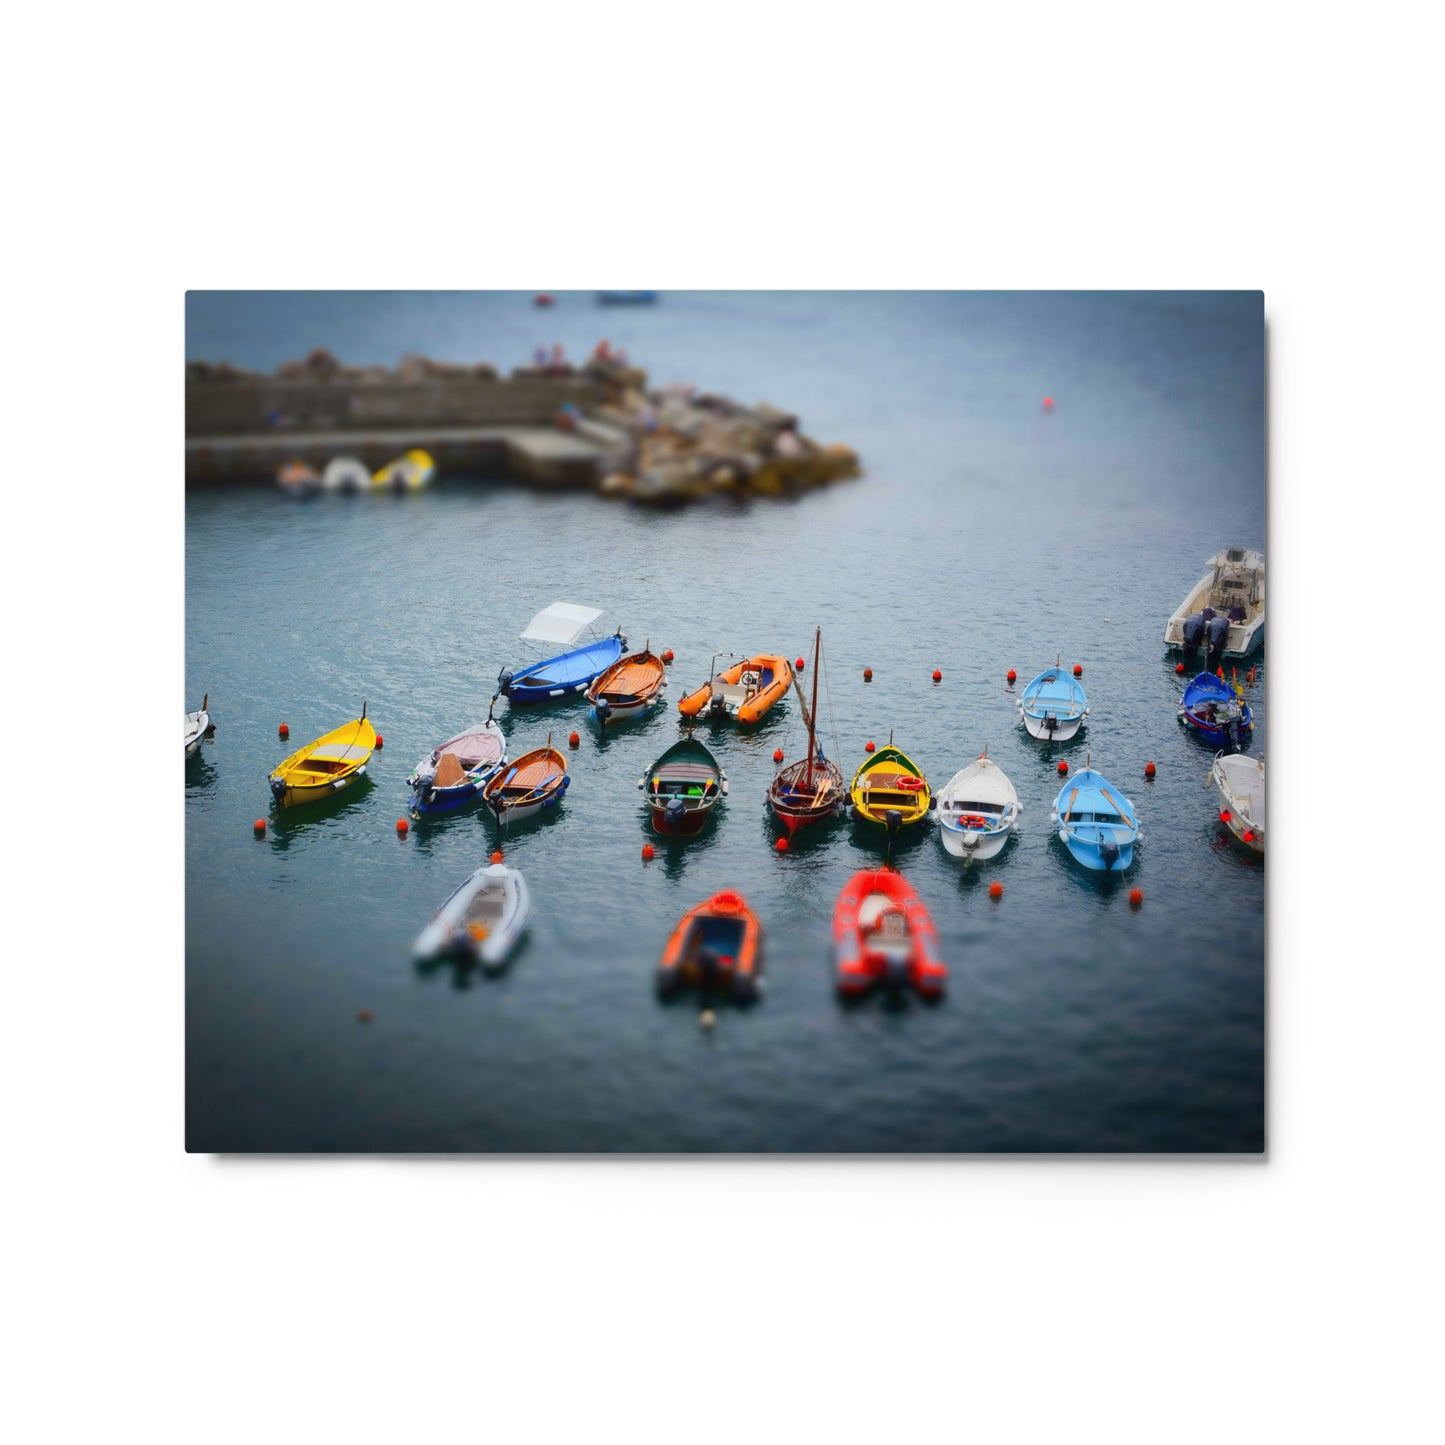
<point>565,673</point>
<point>1053,706</point>
<point>1217,711</point>
<point>626,298</point>
<point>456,771</point>
<point>1096,822</point>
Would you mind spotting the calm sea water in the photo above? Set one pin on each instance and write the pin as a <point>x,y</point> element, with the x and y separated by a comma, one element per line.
<point>985,534</point>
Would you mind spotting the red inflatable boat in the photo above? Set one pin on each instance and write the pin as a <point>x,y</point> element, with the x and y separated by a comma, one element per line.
<point>882,934</point>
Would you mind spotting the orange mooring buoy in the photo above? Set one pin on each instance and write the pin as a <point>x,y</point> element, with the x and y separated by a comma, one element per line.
<point>1012,675</point>
<point>1148,770</point>
<point>1078,669</point>
<point>573,740</point>
<point>1063,767</point>
<point>283,731</point>
<point>1178,667</point>
<point>867,674</point>
<point>259,826</point>
<point>937,675</point>
<point>995,889</point>
<point>496,855</point>
<point>777,755</point>
<point>868,746</point>
<point>798,665</point>
<point>781,845</point>
<point>647,853</point>
<point>667,656</point>
<point>379,739</point>
<point>1219,673</point>
<point>1048,403</point>
<point>403,827</point>
<point>1136,897</point>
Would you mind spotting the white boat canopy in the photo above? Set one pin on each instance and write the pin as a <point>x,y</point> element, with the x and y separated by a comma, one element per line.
<point>562,622</point>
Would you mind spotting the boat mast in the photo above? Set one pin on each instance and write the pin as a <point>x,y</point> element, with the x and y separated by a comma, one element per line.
<point>813,711</point>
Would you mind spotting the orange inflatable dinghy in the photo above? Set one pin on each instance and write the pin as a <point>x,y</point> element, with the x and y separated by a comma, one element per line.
<point>882,933</point>
<point>745,691</point>
<point>715,946</point>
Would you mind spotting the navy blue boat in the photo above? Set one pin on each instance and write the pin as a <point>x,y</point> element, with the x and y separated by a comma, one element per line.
<point>1216,711</point>
<point>566,673</point>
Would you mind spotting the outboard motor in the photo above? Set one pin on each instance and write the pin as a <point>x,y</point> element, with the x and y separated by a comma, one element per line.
<point>504,682</point>
<point>1110,849</point>
<point>718,707</point>
<point>603,709</point>
<point>421,784</point>
<point>278,788</point>
<point>709,967</point>
<point>1218,635</point>
<point>895,974</point>
<point>1051,722</point>
<point>1234,731</point>
<point>1193,633</point>
<point>672,814</point>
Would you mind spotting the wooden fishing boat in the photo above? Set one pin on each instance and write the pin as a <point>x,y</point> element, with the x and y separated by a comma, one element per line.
<point>629,687</point>
<point>454,773</point>
<point>297,479</point>
<point>1240,782</point>
<point>715,946</point>
<point>198,728</point>
<point>482,921</point>
<point>890,791</point>
<point>1053,705</point>
<point>812,788</point>
<point>978,810</point>
<point>568,672</point>
<point>1096,822</point>
<point>522,789</point>
<point>1224,609</point>
<point>744,691</point>
<point>1216,711</point>
<point>882,933</point>
<point>326,766</point>
<point>409,473</point>
<point>683,786</point>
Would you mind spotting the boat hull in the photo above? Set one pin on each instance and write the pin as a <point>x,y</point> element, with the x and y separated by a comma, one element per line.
<point>299,795</point>
<point>973,845</point>
<point>883,935</point>
<point>1219,736</point>
<point>325,767</point>
<point>691,822</point>
<point>1062,731</point>
<point>1090,853</point>
<point>453,799</point>
<point>1241,799</point>
<point>564,675</point>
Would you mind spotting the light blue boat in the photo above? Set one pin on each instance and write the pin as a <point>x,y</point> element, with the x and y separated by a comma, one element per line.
<point>1053,706</point>
<point>1096,822</point>
<point>566,673</point>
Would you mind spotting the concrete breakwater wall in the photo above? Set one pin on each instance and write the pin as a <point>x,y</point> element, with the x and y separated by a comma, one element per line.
<point>596,427</point>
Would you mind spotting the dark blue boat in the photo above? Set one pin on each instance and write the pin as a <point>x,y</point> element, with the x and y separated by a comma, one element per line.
<point>1216,711</point>
<point>566,673</point>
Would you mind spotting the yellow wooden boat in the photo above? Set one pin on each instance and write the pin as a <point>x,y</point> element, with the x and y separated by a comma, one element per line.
<point>323,768</point>
<point>890,791</point>
<point>406,474</point>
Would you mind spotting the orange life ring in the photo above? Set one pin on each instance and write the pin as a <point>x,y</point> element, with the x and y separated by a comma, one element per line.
<point>909,785</point>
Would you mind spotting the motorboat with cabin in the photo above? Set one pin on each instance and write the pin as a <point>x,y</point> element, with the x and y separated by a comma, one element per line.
<point>1224,611</point>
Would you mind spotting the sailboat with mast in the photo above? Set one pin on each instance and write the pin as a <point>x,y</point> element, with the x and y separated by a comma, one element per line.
<point>812,788</point>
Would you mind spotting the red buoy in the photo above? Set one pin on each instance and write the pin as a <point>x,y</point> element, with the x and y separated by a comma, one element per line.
<point>1012,675</point>
<point>667,656</point>
<point>777,755</point>
<point>1136,897</point>
<point>1048,403</point>
<point>798,665</point>
<point>867,674</point>
<point>543,298</point>
<point>378,739</point>
<point>937,675</point>
<point>496,855</point>
<point>1248,835</point>
<point>647,853</point>
<point>283,731</point>
<point>573,740</point>
<point>260,826</point>
<point>995,890</point>
<point>363,1016</point>
<point>1078,669</point>
<point>868,747</point>
<point>1225,815</point>
<point>1178,667</point>
<point>781,845</point>
<point>1148,770</point>
<point>403,827</point>
<point>1063,767</point>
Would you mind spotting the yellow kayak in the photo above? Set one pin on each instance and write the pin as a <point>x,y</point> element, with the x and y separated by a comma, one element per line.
<point>890,782</point>
<point>406,474</point>
<point>325,767</point>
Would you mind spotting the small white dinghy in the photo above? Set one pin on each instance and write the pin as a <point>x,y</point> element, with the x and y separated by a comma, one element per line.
<point>346,474</point>
<point>978,808</point>
<point>482,920</point>
<point>198,724</point>
<point>1240,781</point>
